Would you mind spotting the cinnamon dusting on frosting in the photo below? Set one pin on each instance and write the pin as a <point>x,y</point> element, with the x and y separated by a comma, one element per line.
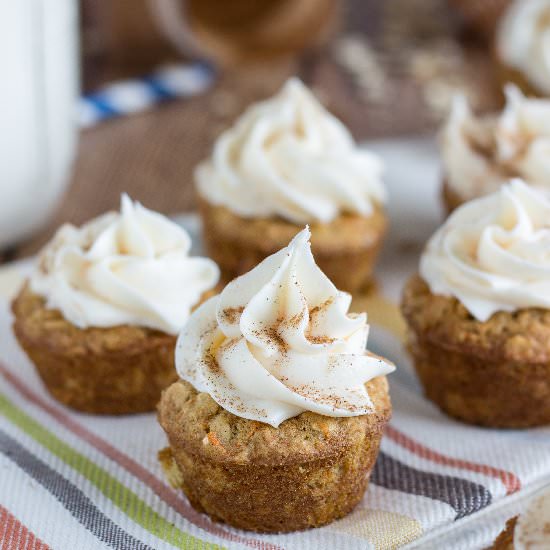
<point>271,336</point>
<point>211,363</point>
<point>295,347</point>
<point>231,314</point>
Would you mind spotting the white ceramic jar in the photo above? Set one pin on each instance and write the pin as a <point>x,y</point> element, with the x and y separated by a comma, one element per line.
<point>38,124</point>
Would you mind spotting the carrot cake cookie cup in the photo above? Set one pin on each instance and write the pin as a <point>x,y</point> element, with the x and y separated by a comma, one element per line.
<point>99,316</point>
<point>277,421</point>
<point>479,154</point>
<point>287,162</point>
<point>479,312</point>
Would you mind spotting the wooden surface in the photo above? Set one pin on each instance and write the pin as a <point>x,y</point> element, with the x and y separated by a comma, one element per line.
<point>416,51</point>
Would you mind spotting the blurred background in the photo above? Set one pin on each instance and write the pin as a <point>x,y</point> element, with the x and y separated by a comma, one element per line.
<point>388,69</point>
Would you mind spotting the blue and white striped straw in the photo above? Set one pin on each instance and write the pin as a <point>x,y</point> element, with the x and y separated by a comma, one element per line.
<point>139,94</point>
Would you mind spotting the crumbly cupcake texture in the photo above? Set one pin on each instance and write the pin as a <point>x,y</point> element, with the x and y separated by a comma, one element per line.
<point>478,315</point>
<point>521,46</point>
<point>479,154</point>
<point>311,470</point>
<point>345,249</point>
<point>495,373</point>
<point>115,370</point>
<point>100,314</point>
<point>276,423</point>
<point>287,162</point>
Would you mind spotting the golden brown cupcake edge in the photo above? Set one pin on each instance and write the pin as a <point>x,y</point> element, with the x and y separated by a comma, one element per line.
<point>494,373</point>
<point>116,370</point>
<point>309,471</point>
<point>505,541</point>
<point>345,249</point>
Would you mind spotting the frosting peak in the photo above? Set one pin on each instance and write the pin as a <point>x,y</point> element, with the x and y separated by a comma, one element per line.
<point>289,157</point>
<point>279,341</point>
<point>131,267</point>
<point>480,154</point>
<point>493,253</point>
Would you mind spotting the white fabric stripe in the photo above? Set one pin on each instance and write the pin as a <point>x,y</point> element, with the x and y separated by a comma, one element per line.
<point>428,512</point>
<point>41,512</point>
<point>105,505</point>
<point>480,530</point>
<point>497,448</point>
<point>122,475</point>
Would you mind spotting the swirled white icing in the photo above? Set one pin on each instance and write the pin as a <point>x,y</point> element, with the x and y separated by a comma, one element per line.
<point>131,267</point>
<point>480,154</point>
<point>279,341</point>
<point>493,253</point>
<point>289,157</point>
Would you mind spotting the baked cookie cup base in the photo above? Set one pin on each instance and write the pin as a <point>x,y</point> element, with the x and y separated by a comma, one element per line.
<point>345,249</point>
<point>479,391</point>
<point>308,472</point>
<point>494,373</point>
<point>120,370</point>
<point>273,499</point>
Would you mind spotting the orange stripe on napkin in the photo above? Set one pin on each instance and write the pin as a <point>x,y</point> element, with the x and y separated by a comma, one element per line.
<point>15,536</point>
<point>509,480</point>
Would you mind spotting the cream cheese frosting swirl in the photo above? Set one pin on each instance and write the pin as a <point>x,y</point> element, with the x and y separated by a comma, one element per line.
<point>127,268</point>
<point>523,41</point>
<point>479,154</point>
<point>289,157</point>
<point>279,341</point>
<point>532,531</point>
<point>493,253</point>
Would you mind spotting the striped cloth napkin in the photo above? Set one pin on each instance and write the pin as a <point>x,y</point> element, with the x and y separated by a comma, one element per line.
<point>70,481</point>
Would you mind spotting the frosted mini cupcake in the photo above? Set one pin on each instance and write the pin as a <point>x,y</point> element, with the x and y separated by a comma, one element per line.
<point>479,312</point>
<point>100,314</point>
<point>277,421</point>
<point>287,162</point>
<point>479,154</point>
